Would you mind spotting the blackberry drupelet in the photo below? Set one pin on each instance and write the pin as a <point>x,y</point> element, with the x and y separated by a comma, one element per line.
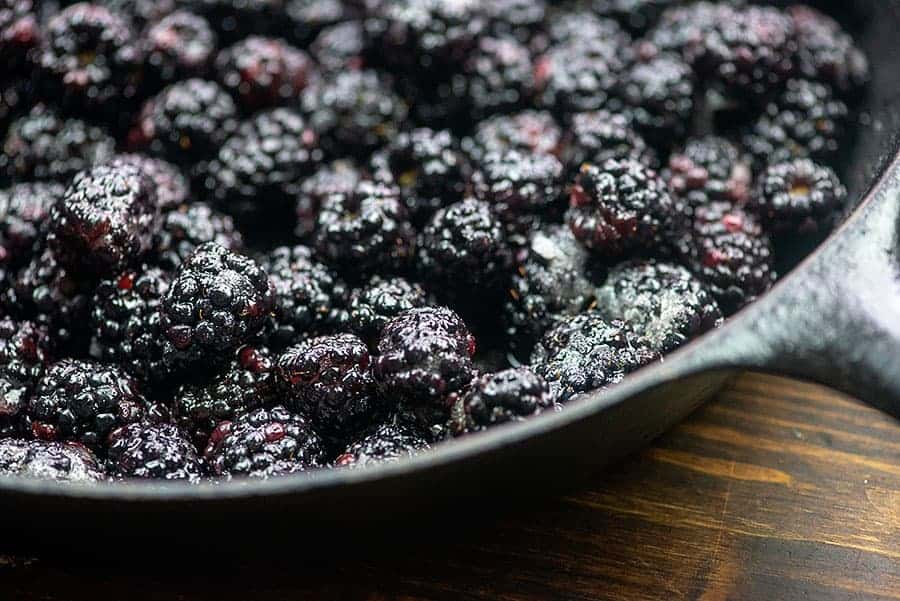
<point>497,76</point>
<point>20,34</point>
<point>599,136</point>
<point>308,18</point>
<point>218,301</point>
<point>341,47</point>
<point>508,396</point>
<point>528,131</point>
<point>105,220</point>
<point>188,226</point>
<point>25,351</point>
<point>660,94</point>
<point>336,178</point>
<point>798,197</point>
<point>588,353</point>
<point>636,15</point>
<point>83,401</point>
<point>155,451</point>
<point>826,52</point>
<point>179,46</point>
<point>573,77</point>
<point>264,443</point>
<point>388,443</point>
<point>708,169</point>
<point>380,300</point>
<point>24,209</point>
<point>663,303</point>
<point>172,188</point>
<point>62,462</point>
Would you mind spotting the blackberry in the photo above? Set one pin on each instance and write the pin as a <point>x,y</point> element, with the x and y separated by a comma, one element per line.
<point>798,197</point>
<point>20,34</point>
<point>354,112</point>
<point>125,323</point>
<point>586,28</point>
<point>152,451</point>
<point>497,76</point>
<point>309,297</point>
<point>25,351</point>
<point>663,303</point>
<point>636,15</point>
<point>308,18</point>
<point>573,77</point>
<point>186,122</point>
<point>388,443</point>
<point>332,179</point>
<point>706,170</point>
<point>660,94</point>
<point>826,52</point>
<point>106,219</point>
<point>380,300</point>
<point>218,301</point>
<point>62,462</point>
<point>528,131</point>
<point>43,145</point>
<point>493,399</point>
<point>172,188</point>
<point>551,285</point>
<point>599,136</point>
<point>188,226</point>
<point>588,353</point>
<point>24,209</point>
<point>264,443</point>
<point>365,230</point>
<point>263,72</point>
<point>621,206</point>
<point>247,383</point>
<point>141,12</point>
<point>179,46</point>
<point>90,58</point>
<point>520,19</point>
<point>83,401</point>
<point>341,47</point>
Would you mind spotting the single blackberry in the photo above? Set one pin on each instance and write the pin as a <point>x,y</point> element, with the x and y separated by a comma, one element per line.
<point>172,188</point>
<point>148,450</point>
<point>528,131</point>
<point>337,178</point>
<point>729,252</point>
<point>583,27</point>
<point>683,28</point>
<point>341,47</point>
<point>43,145</point>
<point>83,401</point>
<point>660,94</point>
<point>263,72</point>
<point>90,59</point>
<point>247,383</point>
<point>186,122</point>
<point>308,18</point>
<point>573,77</point>
<point>599,136</point>
<point>497,76</point>
<point>706,170</point>
<point>826,52</point>
<point>493,399</point>
<point>309,297</point>
<point>105,220</point>
<point>520,19</point>
<point>551,285</point>
<point>380,300</point>
<point>188,226</point>
<point>588,353</point>
<point>388,443</point>
<point>62,462</point>
<point>428,167</point>
<point>264,443</point>
<point>354,112</point>
<point>25,351</point>
<point>798,197</point>
<point>234,20</point>
<point>125,323</point>
<point>20,34</point>
<point>365,230</point>
<point>663,303</point>
<point>636,15</point>
<point>179,46</point>
<point>621,206</point>
<point>218,301</point>
<point>24,209</point>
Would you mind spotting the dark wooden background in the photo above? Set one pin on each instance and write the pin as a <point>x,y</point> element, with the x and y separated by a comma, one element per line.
<point>776,491</point>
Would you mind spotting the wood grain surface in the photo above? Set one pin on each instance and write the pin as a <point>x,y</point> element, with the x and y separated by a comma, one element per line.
<point>776,491</point>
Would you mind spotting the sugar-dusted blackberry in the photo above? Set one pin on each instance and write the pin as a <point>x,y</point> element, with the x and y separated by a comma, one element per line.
<point>506,396</point>
<point>262,72</point>
<point>179,46</point>
<point>621,206</point>
<point>498,76</point>
<point>106,219</point>
<point>172,188</point>
<point>20,34</point>
<point>310,297</point>
<point>588,353</point>
<point>529,131</point>
<point>377,302</point>
<point>264,443</point>
<point>428,167</point>
<point>83,401</point>
<point>521,19</point>
<point>90,58</point>
<point>551,285</point>
<point>154,451</point>
<point>257,171</point>
<point>573,77</point>
<point>798,197</point>
<point>660,94</point>
<point>186,122</point>
<point>248,382</point>
<point>341,47</point>
<point>218,301</point>
<point>805,121</point>
<point>636,15</point>
<point>730,253</point>
<point>388,443</point>
<point>125,322</point>
<point>366,230</point>
<point>44,145</point>
<point>336,178</point>
<point>188,226</point>
<point>598,136</point>
<point>308,18</point>
<point>664,303</point>
<point>24,209</point>
<point>708,169</point>
<point>62,462</point>
<point>25,351</point>
<point>826,52</point>
<point>354,112</point>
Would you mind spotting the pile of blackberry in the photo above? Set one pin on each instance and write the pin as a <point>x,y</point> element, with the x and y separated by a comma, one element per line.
<point>256,238</point>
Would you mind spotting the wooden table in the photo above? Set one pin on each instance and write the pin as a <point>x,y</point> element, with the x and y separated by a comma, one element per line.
<point>776,491</point>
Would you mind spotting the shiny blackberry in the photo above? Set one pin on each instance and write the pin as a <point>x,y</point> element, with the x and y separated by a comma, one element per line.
<point>377,302</point>
<point>508,396</point>
<point>186,227</point>
<point>798,197</point>
<point>25,351</point>
<point>388,443</point>
<point>573,77</point>
<point>636,15</point>
<point>528,131</point>
<point>497,76</point>
<point>708,169</point>
<point>341,47</point>
<point>308,18</point>
<point>172,188</point>
<point>24,209</point>
<point>61,462</point>
<point>20,34</point>
<point>152,451</point>
<point>179,46</point>
<point>660,94</point>
<point>826,52</point>
<point>599,136</point>
<point>336,178</point>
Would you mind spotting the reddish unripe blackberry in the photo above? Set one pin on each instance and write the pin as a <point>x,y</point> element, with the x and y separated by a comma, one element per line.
<point>264,443</point>
<point>25,351</point>
<point>218,301</point>
<point>154,451</point>
<point>172,188</point>
<point>336,178</point>
<point>179,46</point>
<point>498,76</point>
<point>341,47</point>
<point>24,209</point>
<point>706,170</point>
<point>61,462</point>
<point>660,94</point>
<point>508,396</point>
<point>105,220</point>
<point>527,131</point>
<point>83,401</point>
<point>20,34</point>
<point>188,226</point>
<point>798,197</point>
<point>380,300</point>
<point>388,443</point>
<point>826,52</point>
<point>599,136</point>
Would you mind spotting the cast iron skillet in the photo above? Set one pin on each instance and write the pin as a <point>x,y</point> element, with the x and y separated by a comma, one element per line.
<point>835,320</point>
